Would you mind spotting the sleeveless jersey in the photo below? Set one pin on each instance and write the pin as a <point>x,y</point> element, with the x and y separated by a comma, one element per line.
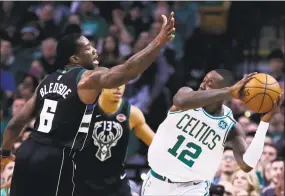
<point>189,145</point>
<point>62,119</point>
<point>105,151</point>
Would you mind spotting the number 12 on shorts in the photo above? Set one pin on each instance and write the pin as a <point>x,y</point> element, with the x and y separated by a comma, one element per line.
<point>182,156</point>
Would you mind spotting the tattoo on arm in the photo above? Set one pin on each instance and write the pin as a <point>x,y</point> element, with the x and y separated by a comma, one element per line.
<point>121,74</point>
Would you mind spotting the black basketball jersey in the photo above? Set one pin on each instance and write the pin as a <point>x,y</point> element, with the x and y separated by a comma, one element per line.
<point>62,119</point>
<point>106,150</point>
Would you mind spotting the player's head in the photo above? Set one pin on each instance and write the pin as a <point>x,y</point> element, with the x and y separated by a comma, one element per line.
<point>114,94</point>
<point>75,49</point>
<point>216,79</point>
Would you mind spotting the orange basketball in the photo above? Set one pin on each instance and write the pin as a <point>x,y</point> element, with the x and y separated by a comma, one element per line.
<point>260,93</point>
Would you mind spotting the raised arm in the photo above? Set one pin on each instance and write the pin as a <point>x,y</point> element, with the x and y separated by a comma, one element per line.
<point>141,128</point>
<point>134,66</point>
<point>246,156</point>
<point>17,123</point>
<point>186,98</point>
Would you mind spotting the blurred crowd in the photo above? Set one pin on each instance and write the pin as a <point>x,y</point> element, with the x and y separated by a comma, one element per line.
<point>209,35</point>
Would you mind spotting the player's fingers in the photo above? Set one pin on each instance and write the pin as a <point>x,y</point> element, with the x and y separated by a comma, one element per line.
<point>171,15</point>
<point>171,37</point>
<point>170,32</point>
<point>164,19</point>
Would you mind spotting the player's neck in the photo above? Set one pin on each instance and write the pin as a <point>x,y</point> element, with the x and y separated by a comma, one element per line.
<point>214,110</point>
<point>108,106</point>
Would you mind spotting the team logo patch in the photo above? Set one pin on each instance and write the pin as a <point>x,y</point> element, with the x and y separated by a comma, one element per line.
<point>223,124</point>
<point>106,135</point>
<point>121,117</point>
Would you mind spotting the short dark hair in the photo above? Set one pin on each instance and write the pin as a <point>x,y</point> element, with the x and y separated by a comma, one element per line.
<point>228,148</point>
<point>227,75</point>
<point>272,146</point>
<point>278,159</point>
<point>276,54</point>
<point>66,47</point>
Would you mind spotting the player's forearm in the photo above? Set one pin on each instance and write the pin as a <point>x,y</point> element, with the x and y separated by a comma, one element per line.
<point>12,132</point>
<point>255,149</point>
<point>186,100</point>
<point>133,67</point>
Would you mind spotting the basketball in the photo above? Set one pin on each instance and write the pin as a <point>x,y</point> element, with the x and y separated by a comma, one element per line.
<point>260,93</point>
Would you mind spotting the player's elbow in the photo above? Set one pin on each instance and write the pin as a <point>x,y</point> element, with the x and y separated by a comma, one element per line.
<point>245,167</point>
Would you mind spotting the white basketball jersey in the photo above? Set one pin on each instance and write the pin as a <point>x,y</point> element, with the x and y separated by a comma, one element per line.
<point>189,144</point>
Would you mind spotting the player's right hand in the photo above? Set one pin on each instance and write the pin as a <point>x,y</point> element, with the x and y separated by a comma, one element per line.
<point>235,90</point>
<point>5,160</point>
<point>276,108</point>
<point>167,31</point>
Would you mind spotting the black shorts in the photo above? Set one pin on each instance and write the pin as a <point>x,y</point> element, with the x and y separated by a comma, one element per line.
<point>108,186</point>
<point>42,170</point>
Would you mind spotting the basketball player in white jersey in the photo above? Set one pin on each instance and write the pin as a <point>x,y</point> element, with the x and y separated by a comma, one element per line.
<point>188,146</point>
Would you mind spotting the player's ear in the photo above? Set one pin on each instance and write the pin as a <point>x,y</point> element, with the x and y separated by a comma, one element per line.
<point>74,59</point>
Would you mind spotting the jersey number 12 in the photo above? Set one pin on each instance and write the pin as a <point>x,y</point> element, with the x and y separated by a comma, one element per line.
<point>182,155</point>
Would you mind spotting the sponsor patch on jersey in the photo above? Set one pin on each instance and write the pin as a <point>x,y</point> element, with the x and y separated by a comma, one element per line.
<point>223,124</point>
<point>121,117</point>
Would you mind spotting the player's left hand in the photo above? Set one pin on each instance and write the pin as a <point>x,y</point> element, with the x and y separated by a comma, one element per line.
<point>276,108</point>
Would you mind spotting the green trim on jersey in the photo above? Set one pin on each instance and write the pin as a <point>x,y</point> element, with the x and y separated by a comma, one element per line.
<point>227,132</point>
<point>207,188</point>
<point>78,77</point>
<point>175,111</point>
<point>216,117</point>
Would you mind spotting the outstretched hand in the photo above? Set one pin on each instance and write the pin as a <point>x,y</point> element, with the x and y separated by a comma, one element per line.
<point>235,90</point>
<point>276,108</point>
<point>167,30</point>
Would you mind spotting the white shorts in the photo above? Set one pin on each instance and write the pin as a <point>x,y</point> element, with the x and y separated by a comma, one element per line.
<point>155,186</point>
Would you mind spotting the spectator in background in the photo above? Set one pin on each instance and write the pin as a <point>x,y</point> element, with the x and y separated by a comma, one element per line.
<point>7,60</point>
<point>110,51</point>
<point>9,18</point>
<point>28,86</point>
<point>276,64</point>
<point>37,69</point>
<point>74,19</point>
<point>48,49</point>
<point>247,182</point>
<point>92,23</point>
<point>228,166</point>
<point>60,10</point>
<point>18,104</point>
<point>46,22</point>
<point>277,179</point>
<point>27,50</point>
<point>269,154</point>
<point>134,20</point>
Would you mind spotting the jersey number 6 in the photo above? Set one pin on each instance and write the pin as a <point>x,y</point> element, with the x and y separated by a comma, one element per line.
<point>182,156</point>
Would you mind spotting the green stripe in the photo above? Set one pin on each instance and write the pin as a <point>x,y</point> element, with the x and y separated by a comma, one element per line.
<point>207,188</point>
<point>227,132</point>
<point>175,112</point>
<point>78,77</point>
<point>216,117</point>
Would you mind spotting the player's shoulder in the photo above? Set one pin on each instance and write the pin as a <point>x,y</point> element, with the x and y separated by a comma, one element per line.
<point>135,111</point>
<point>184,89</point>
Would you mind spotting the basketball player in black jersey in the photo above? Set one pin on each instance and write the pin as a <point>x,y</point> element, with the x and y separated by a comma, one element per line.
<point>63,105</point>
<point>99,166</point>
